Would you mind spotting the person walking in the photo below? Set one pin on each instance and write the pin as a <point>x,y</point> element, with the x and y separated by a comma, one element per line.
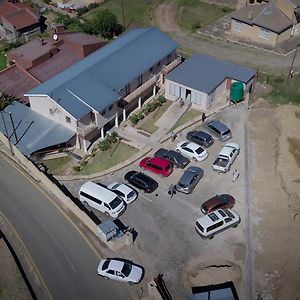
<point>235,175</point>
<point>172,189</point>
<point>203,117</point>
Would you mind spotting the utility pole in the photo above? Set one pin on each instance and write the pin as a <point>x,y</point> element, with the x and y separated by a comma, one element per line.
<point>292,64</point>
<point>6,132</point>
<point>123,15</point>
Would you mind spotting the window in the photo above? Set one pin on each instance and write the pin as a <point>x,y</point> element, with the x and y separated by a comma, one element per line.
<point>68,119</point>
<point>151,70</point>
<point>169,58</point>
<point>174,89</point>
<point>127,89</point>
<point>51,111</point>
<point>111,272</point>
<point>102,113</point>
<point>263,33</point>
<point>158,64</point>
<point>90,197</point>
<point>110,107</point>
<point>237,26</point>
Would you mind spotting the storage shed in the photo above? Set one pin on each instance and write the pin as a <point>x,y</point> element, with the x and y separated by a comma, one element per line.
<point>201,79</point>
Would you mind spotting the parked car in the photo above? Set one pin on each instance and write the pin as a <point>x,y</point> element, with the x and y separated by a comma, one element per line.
<point>200,137</point>
<point>192,150</point>
<point>215,222</point>
<point>226,157</point>
<point>124,191</point>
<point>219,129</point>
<point>120,270</point>
<point>157,165</point>
<point>189,180</point>
<point>141,181</point>
<point>217,202</point>
<point>172,156</point>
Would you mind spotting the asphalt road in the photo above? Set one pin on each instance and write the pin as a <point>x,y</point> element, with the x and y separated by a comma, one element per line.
<point>63,257</point>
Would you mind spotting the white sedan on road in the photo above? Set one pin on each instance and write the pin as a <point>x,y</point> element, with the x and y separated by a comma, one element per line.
<point>124,191</point>
<point>120,270</point>
<point>192,150</point>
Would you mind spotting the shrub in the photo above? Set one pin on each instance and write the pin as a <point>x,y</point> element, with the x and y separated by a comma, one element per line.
<point>134,119</point>
<point>162,99</point>
<point>76,168</point>
<point>93,5</point>
<point>196,26</point>
<point>104,145</point>
<point>225,9</point>
<point>81,10</point>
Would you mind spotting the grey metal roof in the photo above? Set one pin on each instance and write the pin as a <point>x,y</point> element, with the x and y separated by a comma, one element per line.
<point>98,77</point>
<point>268,16</point>
<point>205,73</point>
<point>42,133</point>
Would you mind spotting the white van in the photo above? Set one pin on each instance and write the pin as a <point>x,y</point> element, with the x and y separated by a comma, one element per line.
<point>102,199</point>
<point>215,222</point>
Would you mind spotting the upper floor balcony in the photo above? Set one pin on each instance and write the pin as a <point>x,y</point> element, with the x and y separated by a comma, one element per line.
<point>166,69</point>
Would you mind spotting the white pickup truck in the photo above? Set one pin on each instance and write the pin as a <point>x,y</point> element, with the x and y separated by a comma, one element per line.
<point>226,157</point>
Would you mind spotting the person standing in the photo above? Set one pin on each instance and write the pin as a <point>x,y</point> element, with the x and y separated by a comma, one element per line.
<point>235,175</point>
<point>203,116</point>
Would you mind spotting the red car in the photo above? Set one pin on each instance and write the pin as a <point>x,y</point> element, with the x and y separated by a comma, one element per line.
<point>157,165</point>
<point>217,202</point>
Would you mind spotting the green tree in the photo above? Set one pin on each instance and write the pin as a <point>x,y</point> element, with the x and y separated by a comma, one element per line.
<point>5,100</point>
<point>104,23</point>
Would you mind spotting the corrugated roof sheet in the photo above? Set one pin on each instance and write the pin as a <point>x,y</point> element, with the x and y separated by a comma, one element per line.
<point>15,82</point>
<point>41,134</point>
<point>21,18</point>
<point>108,70</point>
<point>204,73</point>
<point>267,16</point>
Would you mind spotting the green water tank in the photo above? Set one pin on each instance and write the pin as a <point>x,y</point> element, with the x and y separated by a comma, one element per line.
<point>237,91</point>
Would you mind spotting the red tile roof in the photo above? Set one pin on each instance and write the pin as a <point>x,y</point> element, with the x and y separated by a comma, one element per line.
<point>15,82</point>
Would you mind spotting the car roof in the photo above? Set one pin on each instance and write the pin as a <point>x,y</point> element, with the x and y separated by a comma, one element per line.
<point>207,220</point>
<point>227,149</point>
<point>186,177</point>
<point>219,125</point>
<point>202,134</point>
<point>159,161</point>
<point>193,145</point>
<point>124,188</point>
<point>116,265</point>
<point>194,169</point>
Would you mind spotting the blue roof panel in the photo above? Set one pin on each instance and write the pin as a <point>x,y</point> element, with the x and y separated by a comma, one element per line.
<point>205,73</point>
<point>108,69</point>
<point>42,133</point>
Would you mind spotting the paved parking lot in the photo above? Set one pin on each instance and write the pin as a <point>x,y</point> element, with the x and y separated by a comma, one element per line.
<point>166,239</point>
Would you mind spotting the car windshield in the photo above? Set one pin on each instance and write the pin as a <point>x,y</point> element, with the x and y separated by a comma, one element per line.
<point>115,186</point>
<point>131,194</point>
<point>213,217</point>
<point>126,269</point>
<point>105,265</point>
<point>223,199</point>
<point>226,132</point>
<point>115,203</point>
<point>199,150</point>
<point>184,144</point>
<point>182,185</point>
<point>229,214</point>
<point>168,167</point>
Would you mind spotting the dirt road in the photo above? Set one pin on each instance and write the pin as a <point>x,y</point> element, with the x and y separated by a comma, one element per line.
<point>165,18</point>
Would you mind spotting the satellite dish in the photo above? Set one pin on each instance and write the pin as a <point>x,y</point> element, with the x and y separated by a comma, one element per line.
<point>55,37</point>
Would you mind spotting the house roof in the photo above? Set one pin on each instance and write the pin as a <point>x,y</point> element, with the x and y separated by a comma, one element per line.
<point>97,79</point>
<point>205,73</point>
<point>18,16</point>
<point>295,2</point>
<point>265,15</point>
<point>15,82</point>
<point>40,134</point>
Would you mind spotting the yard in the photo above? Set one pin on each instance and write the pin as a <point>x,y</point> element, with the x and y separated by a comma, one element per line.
<point>187,116</point>
<point>2,61</point>
<point>137,13</point>
<point>148,124</point>
<point>195,14</point>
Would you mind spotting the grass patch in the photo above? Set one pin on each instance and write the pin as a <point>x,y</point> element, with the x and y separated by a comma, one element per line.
<point>56,166</point>
<point>148,125</point>
<point>195,14</point>
<point>284,90</point>
<point>137,13</point>
<point>2,61</point>
<point>187,116</point>
<point>105,160</point>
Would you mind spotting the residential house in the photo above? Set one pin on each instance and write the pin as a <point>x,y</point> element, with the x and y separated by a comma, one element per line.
<point>16,19</point>
<point>268,23</point>
<point>40,59</point>
<point>201,79</point>
<point>96,93</point>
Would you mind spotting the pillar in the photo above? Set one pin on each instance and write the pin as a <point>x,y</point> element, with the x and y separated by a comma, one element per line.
<point>124,114</point>
<point>140,102</point>
<point>116,120</point>
<point>102,133</point>
<point>154,91</point>
<point>84,146</point>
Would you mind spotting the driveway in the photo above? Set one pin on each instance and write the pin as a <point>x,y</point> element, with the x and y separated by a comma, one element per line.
<point>167,242</point>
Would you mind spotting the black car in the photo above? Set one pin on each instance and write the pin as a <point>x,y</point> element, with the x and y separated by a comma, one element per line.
<point>172,156</point>
<point>200,137</point>
<point>141,181</point>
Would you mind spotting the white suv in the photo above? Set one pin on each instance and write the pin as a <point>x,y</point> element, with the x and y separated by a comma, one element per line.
<point>217,221</point>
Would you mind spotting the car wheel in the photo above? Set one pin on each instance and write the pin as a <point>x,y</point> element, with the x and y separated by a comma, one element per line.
<point>178,151</point>
<point>131,283</point>
<point>86,204</point>
<point>105,277</point>
<point>195,159</point>
<point>235,226</point>
<point>106,213</point>
<point>211,237</point>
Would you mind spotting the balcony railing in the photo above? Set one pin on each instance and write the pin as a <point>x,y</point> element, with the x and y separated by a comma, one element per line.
<point>172,65</point>
<point>84,130</point>
<point>141,89</point>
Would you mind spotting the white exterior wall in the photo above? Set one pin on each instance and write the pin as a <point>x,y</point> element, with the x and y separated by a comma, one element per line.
<point>43,104</point>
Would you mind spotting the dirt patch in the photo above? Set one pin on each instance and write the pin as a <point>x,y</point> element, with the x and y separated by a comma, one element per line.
<point>275,201</point>
<point>294,147</point>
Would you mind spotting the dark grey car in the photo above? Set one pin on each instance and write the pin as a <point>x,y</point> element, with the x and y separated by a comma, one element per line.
<point>172,156</point>
<point>201,138</point>
<point>189,179</point>
<point>219,129</point>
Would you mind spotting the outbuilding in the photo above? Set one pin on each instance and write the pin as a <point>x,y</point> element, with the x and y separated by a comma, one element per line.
<point>201,79</point>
